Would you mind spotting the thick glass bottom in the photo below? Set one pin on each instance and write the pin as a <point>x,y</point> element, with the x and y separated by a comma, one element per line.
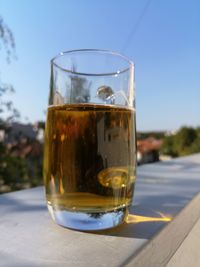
<point>88,221</point>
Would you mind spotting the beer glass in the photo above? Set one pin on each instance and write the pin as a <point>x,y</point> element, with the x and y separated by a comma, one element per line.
<point>90,142</point>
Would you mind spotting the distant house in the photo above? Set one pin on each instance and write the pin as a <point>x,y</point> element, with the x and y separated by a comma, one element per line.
<point>39,128</point>
<point>2,135</point>
<point>148,150</point>
<point>18,132</point>
<point>40,135</point>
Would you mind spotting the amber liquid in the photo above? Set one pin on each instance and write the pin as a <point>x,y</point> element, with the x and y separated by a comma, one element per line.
<point>90,157</point>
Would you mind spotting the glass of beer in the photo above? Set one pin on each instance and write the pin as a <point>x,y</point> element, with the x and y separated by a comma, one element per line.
<point>90,142</point>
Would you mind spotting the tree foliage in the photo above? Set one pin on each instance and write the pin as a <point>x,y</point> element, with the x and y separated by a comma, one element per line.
<point>7,40</point>
<point>185,142</point>
<point>20,163</point>
<point>7,43</point>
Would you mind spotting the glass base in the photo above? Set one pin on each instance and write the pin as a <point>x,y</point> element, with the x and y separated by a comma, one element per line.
<point>88,221</point>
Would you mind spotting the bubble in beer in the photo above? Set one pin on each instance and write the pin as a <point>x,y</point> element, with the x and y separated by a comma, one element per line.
<point>116,177</point>
<point>104,92</point>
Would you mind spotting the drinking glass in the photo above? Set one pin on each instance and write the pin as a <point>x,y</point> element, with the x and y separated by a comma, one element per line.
<point>90,143</point>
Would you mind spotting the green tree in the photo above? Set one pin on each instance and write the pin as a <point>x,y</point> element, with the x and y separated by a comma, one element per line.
<point>13,173</point>
<point>21,161</point>
<point>168,146</point>
<point>195,148</point>
<point>7,45</point>
<point>185,142</point>
<point>12,169</point>
<point>7,41</point>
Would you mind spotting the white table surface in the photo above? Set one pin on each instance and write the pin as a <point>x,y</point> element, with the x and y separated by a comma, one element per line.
<point>28,236</point>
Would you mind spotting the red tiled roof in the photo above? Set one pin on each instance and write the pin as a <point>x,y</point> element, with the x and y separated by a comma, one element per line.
<point>148,144</point>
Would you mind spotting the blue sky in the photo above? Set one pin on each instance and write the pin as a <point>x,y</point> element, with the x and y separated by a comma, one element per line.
<point>165,47</point>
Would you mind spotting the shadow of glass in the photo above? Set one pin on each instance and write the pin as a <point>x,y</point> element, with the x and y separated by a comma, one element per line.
<point>148,217</point>
<point>143,224</point>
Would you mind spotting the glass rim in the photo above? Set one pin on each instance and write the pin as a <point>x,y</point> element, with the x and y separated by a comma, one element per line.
<point>110,52</point>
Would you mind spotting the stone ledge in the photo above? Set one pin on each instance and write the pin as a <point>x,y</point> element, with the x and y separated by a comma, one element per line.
<point>164,190</point>
<point>160,249</point>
